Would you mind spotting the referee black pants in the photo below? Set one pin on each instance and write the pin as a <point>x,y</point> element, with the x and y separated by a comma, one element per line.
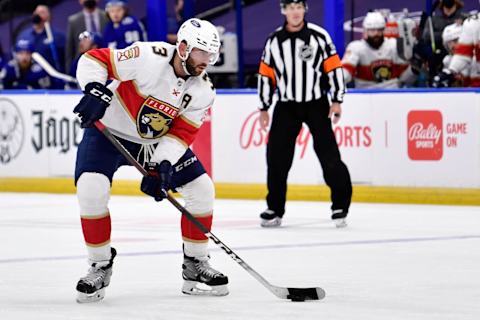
<point>286,124</point>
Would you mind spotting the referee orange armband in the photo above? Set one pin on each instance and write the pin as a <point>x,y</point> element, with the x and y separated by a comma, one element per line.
<point>331,63</point>
<point>267,71</point>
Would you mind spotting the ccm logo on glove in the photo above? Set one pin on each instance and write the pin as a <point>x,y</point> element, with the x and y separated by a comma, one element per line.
<point>104,96</point>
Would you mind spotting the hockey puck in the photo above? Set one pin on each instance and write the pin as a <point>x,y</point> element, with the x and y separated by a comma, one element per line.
<point>297,299</point>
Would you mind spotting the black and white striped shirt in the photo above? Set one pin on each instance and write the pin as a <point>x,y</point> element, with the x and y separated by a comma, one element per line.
<point>303,66</point>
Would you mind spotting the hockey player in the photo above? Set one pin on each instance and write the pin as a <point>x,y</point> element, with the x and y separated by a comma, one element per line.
<point>373,62</point>
<point>155,106</point>
<point>122,30</point>
<point>23,73</point>
<point>450,36</point>
<point>466,56</point>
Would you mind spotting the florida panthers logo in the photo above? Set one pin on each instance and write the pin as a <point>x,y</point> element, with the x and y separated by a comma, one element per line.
<point>382,70</point>
<point>155,118</point>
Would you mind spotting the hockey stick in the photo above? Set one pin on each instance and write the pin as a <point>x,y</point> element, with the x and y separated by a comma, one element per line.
<point>51,43</point>
<point>294,294</point>
<point>51,70</point>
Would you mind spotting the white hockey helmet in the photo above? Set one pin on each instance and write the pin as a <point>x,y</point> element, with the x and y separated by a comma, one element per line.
<point>451,32</point>
<point>199,34</point>
<point>373,20</point>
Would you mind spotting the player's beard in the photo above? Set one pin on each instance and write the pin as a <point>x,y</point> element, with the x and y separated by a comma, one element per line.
<point>375,42</point>
<point>24,64</point>
<point>192,68</point>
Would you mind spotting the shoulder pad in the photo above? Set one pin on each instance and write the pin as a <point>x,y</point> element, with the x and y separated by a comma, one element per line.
<point>355,45</point>
<point>207,82</point>
<point>275,32</point>
<point>316,28</point>
<point>471,23</point>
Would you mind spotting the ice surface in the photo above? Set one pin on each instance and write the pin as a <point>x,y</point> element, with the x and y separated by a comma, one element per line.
<point>392,262</point>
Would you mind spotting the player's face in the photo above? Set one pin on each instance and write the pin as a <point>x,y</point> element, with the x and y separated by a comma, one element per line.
<point>294,13</point>
<point>24,58</point>
<point>116,13</point>
<point>197,61</point>
<point>85,44</point>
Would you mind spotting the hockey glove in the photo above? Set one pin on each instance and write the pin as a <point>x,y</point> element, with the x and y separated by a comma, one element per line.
<point>95,101</point>
<point>443,80</point>
<point>157,182</point>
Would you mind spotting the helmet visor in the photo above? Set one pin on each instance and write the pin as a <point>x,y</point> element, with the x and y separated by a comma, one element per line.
<point>204,56</point>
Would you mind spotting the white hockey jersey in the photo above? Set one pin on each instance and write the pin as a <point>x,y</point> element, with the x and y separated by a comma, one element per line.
<point>150,103</point>
<point>375,68</point>
<point>467,51</point>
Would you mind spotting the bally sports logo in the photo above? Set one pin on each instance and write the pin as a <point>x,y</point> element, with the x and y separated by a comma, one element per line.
<point>425,138</point>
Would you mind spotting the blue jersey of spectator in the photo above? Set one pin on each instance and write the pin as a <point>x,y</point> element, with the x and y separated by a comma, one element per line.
<point>42,46</point>
<point>128,31</point>
<point>23,73</point>
<point>122,30</point>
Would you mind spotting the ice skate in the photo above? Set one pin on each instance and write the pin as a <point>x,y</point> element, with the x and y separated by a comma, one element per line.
<point>201,279</point>
<point>91,288</point>
<point>339,218</point>
<point>270,219</point>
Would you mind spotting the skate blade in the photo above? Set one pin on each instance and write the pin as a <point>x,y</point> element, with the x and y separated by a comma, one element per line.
<point>200,289</point>
<point>340,223</point>
<point>90,297</point>
<point>275,222</point>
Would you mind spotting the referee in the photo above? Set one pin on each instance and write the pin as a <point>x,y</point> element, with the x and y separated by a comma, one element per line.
<point>301,65</point>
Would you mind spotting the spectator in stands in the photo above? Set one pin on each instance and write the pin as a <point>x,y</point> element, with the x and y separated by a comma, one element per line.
<point>373,62</point>
<point>23,73</point>
<point>86,41</point>
<point>90,19</point>
<point>123,29</point>
<point>53,50</point>
<point>449,11</point>
<point>175,22</point>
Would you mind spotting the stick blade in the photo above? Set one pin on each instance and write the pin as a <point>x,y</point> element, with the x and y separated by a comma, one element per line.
<point>302,294</point>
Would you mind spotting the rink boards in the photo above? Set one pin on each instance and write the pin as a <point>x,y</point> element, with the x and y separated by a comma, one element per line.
<point>390,140</point>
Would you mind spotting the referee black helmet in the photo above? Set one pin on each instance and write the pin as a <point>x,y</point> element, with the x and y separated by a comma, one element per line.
<point>285,2</point>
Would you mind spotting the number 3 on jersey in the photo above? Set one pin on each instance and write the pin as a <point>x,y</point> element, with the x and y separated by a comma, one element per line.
<point>160,51</point>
